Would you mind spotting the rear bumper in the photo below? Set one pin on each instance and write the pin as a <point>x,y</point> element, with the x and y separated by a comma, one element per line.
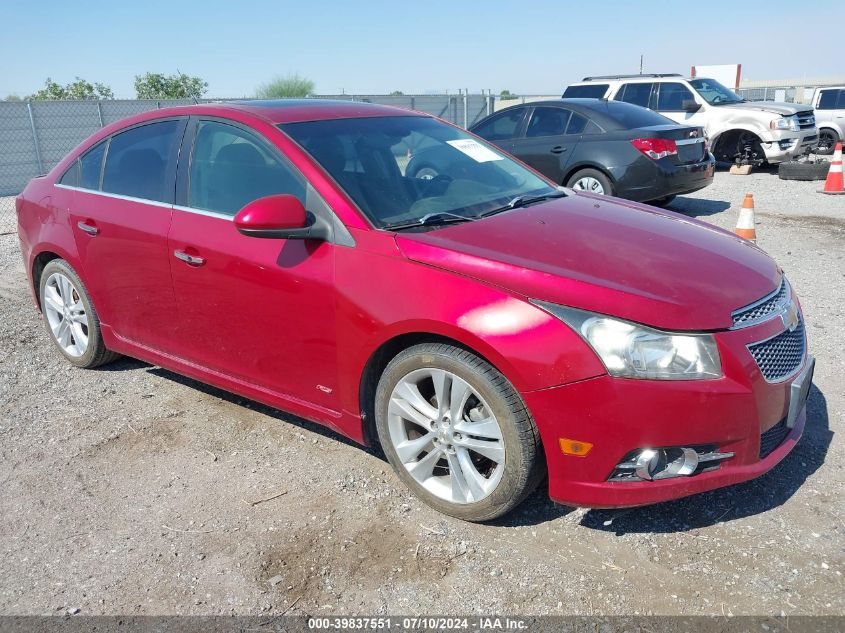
<point>618,415</point>
<point>649,180</point>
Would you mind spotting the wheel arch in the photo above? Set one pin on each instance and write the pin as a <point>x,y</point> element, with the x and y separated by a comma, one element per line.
<point>37,265</point>
<point>571,171</point>
<point>378,361</point>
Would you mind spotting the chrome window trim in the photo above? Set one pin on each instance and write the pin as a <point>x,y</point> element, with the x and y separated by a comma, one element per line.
<point>210,214</point>
<point>782,309</point>
<point>155,203</point>
<point>117,196</point>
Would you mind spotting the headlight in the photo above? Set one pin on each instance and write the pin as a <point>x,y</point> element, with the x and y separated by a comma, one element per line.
<point>785,123</point>
<point>636,351</point>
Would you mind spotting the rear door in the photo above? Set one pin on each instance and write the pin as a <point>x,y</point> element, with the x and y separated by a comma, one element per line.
<point>639,93</point>
<point>261,311</point>
<point>122,205</point>
<point>547,145</point>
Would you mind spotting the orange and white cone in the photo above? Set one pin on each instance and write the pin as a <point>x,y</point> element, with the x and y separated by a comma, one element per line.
<point>834,184</point>
<point>745,224</point>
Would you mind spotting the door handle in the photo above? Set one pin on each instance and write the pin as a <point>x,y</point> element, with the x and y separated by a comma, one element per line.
<point>90,229</point>
<point>193,260</point>
<point>559,149</point>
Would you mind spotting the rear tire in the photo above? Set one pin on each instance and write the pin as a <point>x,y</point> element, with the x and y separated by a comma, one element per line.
<point>799,170</point>
<point>827,141</point>
<point>436,404</point>
<point>70,317</point>
<point>591,180</point>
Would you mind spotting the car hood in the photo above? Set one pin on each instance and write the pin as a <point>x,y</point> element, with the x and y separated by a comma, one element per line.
<point>786,109</point>
<point>609,256</point>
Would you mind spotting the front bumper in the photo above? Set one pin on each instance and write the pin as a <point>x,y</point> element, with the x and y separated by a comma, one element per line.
<point>784,145</point>
<point>618,415</point>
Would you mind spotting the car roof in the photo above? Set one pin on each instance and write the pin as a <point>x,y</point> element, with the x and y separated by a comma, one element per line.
<point>299,110</point>
<point>632,78</point>
<point>597,109</point>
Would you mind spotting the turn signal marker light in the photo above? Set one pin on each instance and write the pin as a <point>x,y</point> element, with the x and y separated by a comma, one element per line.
<point>574,447</point>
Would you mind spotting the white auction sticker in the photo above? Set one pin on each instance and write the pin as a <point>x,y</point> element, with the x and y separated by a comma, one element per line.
<point>475,150</point>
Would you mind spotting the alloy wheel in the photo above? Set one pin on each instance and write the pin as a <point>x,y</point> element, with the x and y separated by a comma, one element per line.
<point>66,315</point>
<point>588,183</point>
<point>446,436</point>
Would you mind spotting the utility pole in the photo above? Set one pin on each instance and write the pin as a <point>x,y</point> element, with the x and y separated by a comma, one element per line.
<point>641,64</point>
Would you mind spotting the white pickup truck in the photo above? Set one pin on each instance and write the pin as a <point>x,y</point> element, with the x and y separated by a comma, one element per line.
<point>756,131</point>
<point>829,103</point>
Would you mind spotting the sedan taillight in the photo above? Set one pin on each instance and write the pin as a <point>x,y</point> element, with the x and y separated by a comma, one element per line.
<point>656,148</point>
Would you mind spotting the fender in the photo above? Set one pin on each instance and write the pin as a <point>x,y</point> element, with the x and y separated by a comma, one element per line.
<point>533,349</point>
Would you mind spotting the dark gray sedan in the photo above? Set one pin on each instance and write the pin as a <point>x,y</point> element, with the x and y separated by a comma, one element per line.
<point>607,147</point>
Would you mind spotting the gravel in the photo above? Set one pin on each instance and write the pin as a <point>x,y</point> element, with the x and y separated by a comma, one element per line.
<point>131,490</point>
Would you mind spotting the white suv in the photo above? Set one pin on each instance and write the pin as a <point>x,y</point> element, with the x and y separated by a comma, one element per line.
<point>757,131</point>
<point>829,103</point>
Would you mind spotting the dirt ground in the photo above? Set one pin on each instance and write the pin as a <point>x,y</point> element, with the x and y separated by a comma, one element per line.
<point>131,490</point>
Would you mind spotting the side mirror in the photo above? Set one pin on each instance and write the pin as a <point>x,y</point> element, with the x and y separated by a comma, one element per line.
<point>280,216</point>
<point>689,105</point>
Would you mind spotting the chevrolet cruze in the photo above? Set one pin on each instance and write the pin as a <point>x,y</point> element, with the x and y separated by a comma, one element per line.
<point>486,328</point>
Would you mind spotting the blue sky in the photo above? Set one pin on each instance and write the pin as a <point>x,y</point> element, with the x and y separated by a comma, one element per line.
<point>377,46</point>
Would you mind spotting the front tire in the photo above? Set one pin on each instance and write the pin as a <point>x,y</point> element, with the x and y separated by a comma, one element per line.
<point>456,432</point>
<point>591,180</point>
<point>70,317</point>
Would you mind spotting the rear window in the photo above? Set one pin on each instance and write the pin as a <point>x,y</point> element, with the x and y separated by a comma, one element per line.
<point>588,91</point>
<point>638,94</point>
<point>91,167</point>
<point>630,116</point>
<point>136,165</point>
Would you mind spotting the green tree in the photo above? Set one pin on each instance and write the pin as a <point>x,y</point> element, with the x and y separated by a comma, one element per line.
<point>178,86</point>
<point>78,89</point>
<point>397,93</point>
<point>286,87</point>
<point>507,95</point>
<point>13,98</point>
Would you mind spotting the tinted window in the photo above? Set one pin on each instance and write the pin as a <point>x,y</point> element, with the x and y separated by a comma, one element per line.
<point>137,161</point>
<point>671,97</point>
<point>590,91</point>
<point>231,167</point>
<point>631,116</point>
<point>547,122</point>
<point>501,126</point>
<point>840,102</point>
<point>638,94</point>
<point>91,167</point>
<point>71,175</point>
<point>580,124</point>
<point>827,100</point>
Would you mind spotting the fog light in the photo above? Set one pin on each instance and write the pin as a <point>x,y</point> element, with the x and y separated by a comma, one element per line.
<point>647,464</point>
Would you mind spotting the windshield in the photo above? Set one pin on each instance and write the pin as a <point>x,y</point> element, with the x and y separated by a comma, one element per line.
<point>713,92</point>
<point>402,169</point>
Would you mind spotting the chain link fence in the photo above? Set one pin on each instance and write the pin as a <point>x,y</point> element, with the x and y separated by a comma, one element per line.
<point>36,135</point>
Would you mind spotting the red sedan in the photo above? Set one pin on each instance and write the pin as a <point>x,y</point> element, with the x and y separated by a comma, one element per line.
<point>484,327</point>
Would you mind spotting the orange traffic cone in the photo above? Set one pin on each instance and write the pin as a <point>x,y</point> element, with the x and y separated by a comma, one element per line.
<point>834,184</point>
<point>745,224</point>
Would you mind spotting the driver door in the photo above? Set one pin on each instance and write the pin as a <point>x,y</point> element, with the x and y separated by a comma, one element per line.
<point>261,311</point>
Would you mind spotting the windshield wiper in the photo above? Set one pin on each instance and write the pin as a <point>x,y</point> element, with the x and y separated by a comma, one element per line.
<point>522,201</point>
<point>431,219</point>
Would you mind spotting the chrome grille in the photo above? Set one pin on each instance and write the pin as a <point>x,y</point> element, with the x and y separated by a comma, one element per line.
<point>774,437</point>
<point>782,355</point>
<point>760,310</point>
<point>806,120</point>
